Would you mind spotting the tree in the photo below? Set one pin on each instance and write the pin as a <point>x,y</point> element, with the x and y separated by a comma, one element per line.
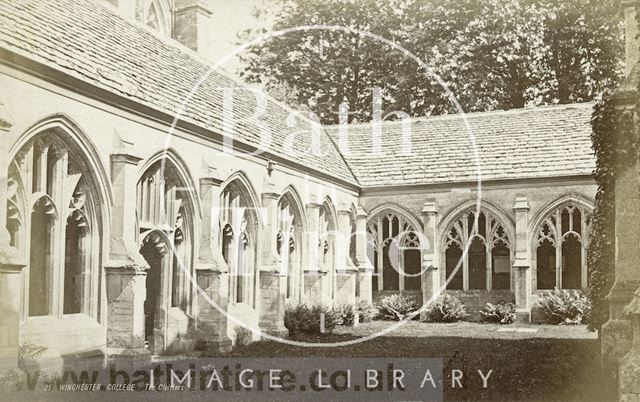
<point>491,54</point>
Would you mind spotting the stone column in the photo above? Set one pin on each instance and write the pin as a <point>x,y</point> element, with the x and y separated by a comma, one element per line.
<point>629,368</point>
<point>345,275</point>
<point>192,26</point>
<point>522,264</point>
<point>126,269</point>
<point>272,293</point>
<point>616,332</point>
<point>11,265</point>
<point>365,268</point>
<point>431,283</point>
<point>212,273</point>
<point>312,273</point>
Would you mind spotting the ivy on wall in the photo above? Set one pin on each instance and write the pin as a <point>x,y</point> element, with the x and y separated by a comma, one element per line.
<point>616,145</point>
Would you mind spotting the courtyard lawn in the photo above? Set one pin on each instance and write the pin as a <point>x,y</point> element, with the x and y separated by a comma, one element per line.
<point>529,362</point>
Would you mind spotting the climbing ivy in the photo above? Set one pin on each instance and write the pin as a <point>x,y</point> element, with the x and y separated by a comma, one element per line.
<point>615,142</point>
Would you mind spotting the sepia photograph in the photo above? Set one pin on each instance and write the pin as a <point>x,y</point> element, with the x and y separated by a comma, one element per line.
<point>320,200</point>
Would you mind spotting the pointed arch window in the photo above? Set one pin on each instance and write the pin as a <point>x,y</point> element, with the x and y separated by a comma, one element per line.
<point>486,265</point>
<point>288,238</point>
<point>59,230</point>
<point>238,222</point>
<point>561,248</point>
<point>397,256</point>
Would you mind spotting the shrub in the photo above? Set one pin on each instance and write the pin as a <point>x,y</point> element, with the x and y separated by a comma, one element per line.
<point>396,307</point>
<point>447,308</point>
<point>347,312</point>
<point>366,310</point>
<point>501,313</point>
<point>302,318</point>
<point>565,307</point>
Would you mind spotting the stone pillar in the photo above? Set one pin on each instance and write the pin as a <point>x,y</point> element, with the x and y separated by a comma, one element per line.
<point>365,268</point>
<point>629,368</point>
<point>272,293</point>
<point>616,332</point>
<point>522,264</point>
<point>126,269</point>
<point>11,265</point>
<point>345,275</point>
<point>212,273</point>
<point>431,282</point>
<point>632,47</point>
<point>313,275</point>
<point>192,26</point>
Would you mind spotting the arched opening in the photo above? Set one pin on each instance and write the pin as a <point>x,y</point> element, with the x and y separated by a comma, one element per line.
<point>477,264</point>
<point>453,254</point>
<point>238,222</point>
<point>75,261</point>
<point>165,215</point>
<point>59,231</point>
<point>154,250</point>
<point>397,253</point>
<point>41,269</point>
<point>288,242</point>
<point>489,258</point>
<point>561,248</point>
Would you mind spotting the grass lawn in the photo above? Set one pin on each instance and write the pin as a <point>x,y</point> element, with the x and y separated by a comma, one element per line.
<point>552,364</point>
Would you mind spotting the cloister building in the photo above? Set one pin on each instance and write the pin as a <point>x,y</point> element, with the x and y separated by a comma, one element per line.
<point>151,202</point>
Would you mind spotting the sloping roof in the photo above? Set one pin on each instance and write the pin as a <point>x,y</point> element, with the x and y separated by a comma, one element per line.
<point>88,40</point>
<point>516,144</point>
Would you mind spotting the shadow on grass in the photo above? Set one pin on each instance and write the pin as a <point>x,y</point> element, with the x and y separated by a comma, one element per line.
<point>524,369</point>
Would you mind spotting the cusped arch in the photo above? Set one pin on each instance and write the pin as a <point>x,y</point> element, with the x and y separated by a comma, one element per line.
<point>330,206</point>
<point>503,218</point>
<point>171,156</point>
<point>293,194</point>
<point>571,199</point>
<point>384,209</point>
<point>73,136</point>
<point>241,179</point>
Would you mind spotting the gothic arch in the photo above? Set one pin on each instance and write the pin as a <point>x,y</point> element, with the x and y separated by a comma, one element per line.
<point>476,257</point>
<point>397,262</point>
<point>75,137</point>
<point>59,199</point>
<point>295,196</point>
<point>172,157</point>
<point>473,205</point>
<point>567,199</point>
<point>397,209</point>
<point>291,227</point>
<point>239,242</point>
<point>559,236</point>
<point>241,179</point>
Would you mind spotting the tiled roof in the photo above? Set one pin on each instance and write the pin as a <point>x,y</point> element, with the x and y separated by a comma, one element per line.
<point>516,144</point>
<point>88,40</point>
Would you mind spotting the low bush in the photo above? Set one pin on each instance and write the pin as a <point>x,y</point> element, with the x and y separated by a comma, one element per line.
<point>302,318</point>
<point>447,308</point>
<point>397,307</point>
<point>501,313</point>
<point>347,312</point>
<point>366,310</point>
<point>565,307</point>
